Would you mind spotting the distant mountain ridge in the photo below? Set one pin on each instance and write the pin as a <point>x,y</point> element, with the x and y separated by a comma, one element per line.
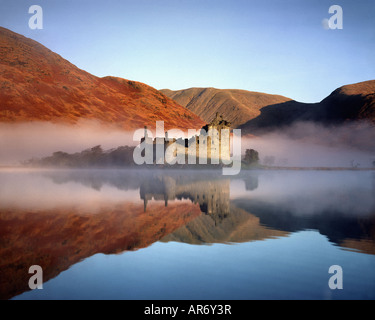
<point>37,84</point>
<point>347,104</point>
<point>255,112</point>
<point>237,106</point>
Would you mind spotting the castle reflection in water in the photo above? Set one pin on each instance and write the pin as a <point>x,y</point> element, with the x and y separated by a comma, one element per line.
<point>213,196</point>
<point>76,214</point>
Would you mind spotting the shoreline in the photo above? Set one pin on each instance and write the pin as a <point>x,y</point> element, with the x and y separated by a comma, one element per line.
<point>265,168</point>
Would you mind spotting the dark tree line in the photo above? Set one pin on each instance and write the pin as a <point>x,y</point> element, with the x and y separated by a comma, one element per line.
<point>93,157</point>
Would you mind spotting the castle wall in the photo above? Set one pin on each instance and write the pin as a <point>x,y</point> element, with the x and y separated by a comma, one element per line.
<point>212,146</point>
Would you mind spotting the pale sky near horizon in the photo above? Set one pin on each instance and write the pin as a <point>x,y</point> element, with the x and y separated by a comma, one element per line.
<point>278,47</point>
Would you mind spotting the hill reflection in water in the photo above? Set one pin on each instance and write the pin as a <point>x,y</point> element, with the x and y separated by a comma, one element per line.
<point>58,218</point>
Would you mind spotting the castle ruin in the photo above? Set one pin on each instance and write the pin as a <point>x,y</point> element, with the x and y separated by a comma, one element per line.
<point>212,145</point>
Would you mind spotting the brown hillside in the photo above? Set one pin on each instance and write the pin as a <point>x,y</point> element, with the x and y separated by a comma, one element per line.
<point>344,105</point>
<point>38,84</point>
<point>237,106</point>
<point>352,102</point>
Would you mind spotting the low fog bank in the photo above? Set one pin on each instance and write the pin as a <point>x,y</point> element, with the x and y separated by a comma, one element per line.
<point>303,144</point>
<point>23,141</point>
<point>39,190</point>
<point>306,144</point>
<point>307,192</point>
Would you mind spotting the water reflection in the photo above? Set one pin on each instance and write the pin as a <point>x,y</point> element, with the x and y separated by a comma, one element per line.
<point>211,195</point>
<point>57,218</point>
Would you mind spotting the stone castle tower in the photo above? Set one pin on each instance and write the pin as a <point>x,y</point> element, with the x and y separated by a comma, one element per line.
<point>218,145</point>
<point>213,141</point>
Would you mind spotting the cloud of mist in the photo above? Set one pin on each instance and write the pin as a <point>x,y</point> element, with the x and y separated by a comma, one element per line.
<point>22,141</point>
<point>35,189</point>
<point>306,192</point>
<point>306,144</point>
<point>303,144</point>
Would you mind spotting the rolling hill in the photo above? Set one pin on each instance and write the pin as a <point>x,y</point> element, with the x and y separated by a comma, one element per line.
<point>237,106</point>
<point>346,104</point>
<point>37,84</point>
<point>257,113</point>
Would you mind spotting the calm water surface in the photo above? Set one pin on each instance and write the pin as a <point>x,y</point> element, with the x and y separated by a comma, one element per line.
<point>128,234</point>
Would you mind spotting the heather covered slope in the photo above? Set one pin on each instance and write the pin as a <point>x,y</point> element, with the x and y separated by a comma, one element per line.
<point>37,84</point>
<point>237,106</point>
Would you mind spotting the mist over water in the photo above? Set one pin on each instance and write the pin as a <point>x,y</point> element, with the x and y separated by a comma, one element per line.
<point>48,189</point>
<point>23,141</point>
<point>308,193</point>
<point>306,144</point>
<point>301,192</point>
<point>289,224</point>
<point>302,144</point>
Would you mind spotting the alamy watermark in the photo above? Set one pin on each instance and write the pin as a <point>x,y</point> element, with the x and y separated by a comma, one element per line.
<point>335,281</point>
<point>36,281</point>
<point>336,20</point>
<point>212,146</point>
<point>36,20</point>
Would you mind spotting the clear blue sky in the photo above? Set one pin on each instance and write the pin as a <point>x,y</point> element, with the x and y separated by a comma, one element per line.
<point>269,46</point>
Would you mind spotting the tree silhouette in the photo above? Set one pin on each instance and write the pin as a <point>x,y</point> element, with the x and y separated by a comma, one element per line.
<point>251,156</point>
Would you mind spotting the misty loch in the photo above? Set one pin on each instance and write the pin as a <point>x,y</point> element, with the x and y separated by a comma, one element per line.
<point>131,234</point>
